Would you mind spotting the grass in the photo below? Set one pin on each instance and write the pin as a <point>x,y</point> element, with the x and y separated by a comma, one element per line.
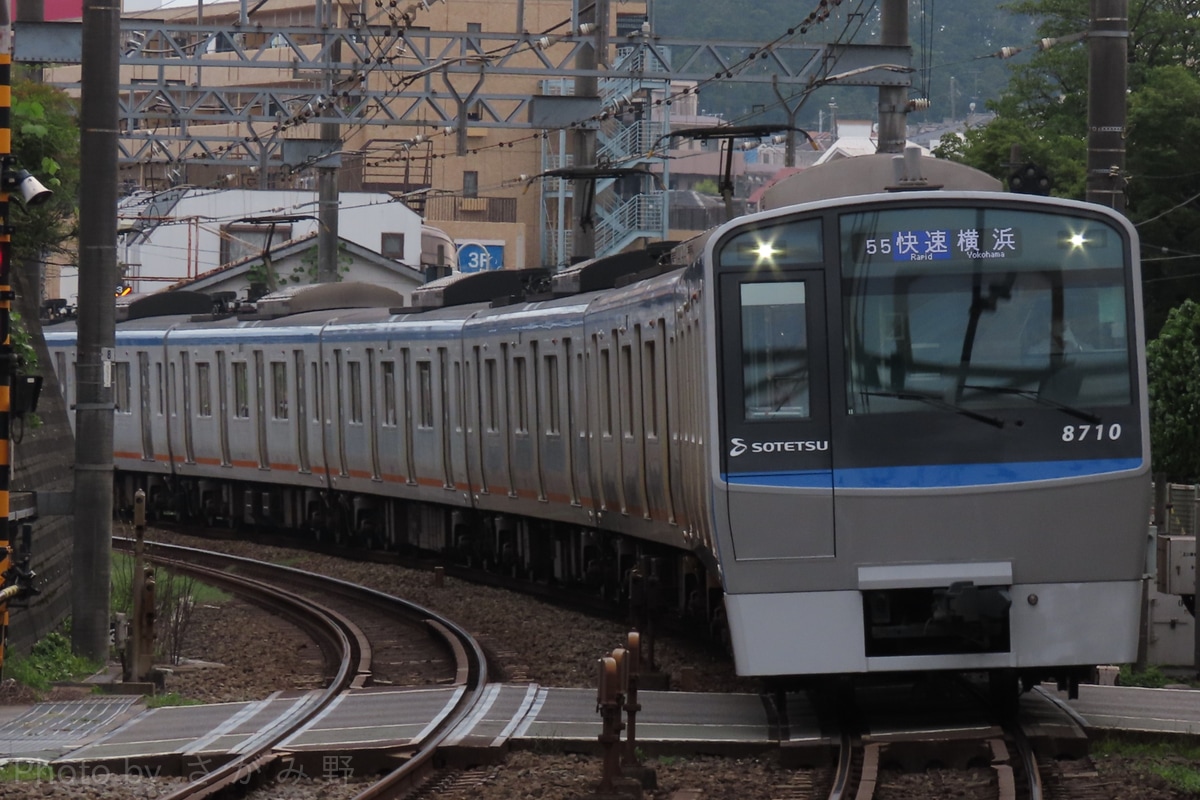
<point>122,585</point>
<point>48,661</point>
<point>170,699</point>
<point>26,771</point>
<point>1176,762</point>
<point>1151,678</point>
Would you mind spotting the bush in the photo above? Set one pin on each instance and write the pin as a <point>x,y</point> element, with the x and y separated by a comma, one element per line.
<point>48,661</point>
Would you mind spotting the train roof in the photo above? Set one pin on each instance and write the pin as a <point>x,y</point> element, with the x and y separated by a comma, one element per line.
<point>882,172</point>
<point>611,271</point>
<point>480,287</point>
<point>325,297</point>
<point>163,304</point>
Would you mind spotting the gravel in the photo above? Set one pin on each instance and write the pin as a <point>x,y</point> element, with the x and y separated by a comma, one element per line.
<point>235,652</point>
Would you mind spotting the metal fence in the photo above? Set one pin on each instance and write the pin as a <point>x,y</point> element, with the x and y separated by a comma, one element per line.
<point>1183,510</point>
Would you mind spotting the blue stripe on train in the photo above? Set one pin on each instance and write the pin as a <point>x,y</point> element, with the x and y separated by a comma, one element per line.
<point>936,475</point>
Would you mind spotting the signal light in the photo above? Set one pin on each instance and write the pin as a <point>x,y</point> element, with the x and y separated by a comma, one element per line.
<point>1029,179</point>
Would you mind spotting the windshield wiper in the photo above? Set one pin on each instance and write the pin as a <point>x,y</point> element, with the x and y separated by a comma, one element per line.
<point>1077,413</point>
<point>937,402</point>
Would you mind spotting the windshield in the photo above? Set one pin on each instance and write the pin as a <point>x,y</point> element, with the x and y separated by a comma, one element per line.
<point>983,308</point>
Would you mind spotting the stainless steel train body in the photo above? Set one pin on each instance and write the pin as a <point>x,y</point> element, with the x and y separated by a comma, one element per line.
<point>885,433</point>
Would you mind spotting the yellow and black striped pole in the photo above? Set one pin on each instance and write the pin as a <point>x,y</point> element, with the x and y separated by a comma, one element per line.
<point>6,298</point>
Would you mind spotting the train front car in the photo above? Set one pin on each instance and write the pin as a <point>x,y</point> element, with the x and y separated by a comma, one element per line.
<point>933,444</point>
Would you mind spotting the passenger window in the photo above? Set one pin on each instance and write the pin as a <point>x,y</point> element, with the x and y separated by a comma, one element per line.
<point>521,395</point>
<point>203,390</point>
<point>388,370</point>
<point>121,400</point>
<point>552,420</point>
<point>425,389</point>
<point>356,398</point>
<point>241,391</point>
<point>279,389</point>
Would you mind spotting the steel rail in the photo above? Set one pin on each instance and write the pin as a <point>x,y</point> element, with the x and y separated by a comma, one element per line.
<point>471,670</point>
<point>350,671</point>
<point>844,783</point>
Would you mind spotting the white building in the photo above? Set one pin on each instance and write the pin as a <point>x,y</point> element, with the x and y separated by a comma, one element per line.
<point>182,233</point>
<point>294,264</point>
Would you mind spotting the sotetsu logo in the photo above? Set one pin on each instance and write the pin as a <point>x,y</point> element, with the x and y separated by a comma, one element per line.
<point>740,446</point>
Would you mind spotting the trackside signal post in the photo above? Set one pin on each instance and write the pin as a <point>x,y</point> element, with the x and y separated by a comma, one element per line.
<point>6,297</point>
<point>15,578</point>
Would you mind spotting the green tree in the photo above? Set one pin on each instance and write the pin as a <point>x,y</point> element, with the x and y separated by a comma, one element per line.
<point>1044,112</point>
<point>45,141</point>
<point>1173,362</point>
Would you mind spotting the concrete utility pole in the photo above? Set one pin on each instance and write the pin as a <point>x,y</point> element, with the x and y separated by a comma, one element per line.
<point>1108,43</point>
<point>583,224</point>
<point>893,100</point>
<point>92,560</point>
<point>327,211</point>
<point>327,178</point>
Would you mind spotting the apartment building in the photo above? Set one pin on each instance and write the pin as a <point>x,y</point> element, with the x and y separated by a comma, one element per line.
<point>473,183</point>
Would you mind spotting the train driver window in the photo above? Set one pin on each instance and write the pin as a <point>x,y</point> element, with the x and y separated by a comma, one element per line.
<point>774,350</point>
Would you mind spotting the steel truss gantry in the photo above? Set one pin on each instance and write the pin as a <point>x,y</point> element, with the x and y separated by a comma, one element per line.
<point>271,79</point>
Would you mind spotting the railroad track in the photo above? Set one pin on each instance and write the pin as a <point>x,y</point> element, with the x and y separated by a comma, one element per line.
<point>1011,772</point>
<point>365,636</point>
<point>894,743</point>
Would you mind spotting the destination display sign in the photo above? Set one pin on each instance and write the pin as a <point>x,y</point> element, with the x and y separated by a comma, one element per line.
<point>937,244</point>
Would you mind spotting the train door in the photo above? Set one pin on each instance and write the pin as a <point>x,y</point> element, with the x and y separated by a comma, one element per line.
<point>545,424</point>
<point>302,417</point>
<point>260,411</point>
<point>339,411</point>
<point>373,416</point>
<point>655,426</point>
<point>172,410</point>
<point>483,399</point>
<point>147,413</point>
<point>632,392</point>
<point>458,471</point>
<point>775,451</point>
<point>522,447</point>
<point>223,407</point>
<point>189,440</point>
<point>573,399</point>
<point>444,416</point>
<point>406,397</point>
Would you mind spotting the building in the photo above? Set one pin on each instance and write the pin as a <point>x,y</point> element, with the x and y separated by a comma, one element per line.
<point>293,263</point>
<point>181,234</point>
<point>471,181</point>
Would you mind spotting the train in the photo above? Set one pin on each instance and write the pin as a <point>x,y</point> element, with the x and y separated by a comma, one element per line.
<point>893,433</point>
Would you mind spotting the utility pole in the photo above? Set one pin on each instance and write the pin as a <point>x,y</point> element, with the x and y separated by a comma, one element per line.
<point>789,152</point>
<point>583,225</point>
<point>327,174</point>
<point>1108,42</point>
<point>327,208</point>
<point>893,100</point>
<point>92,561</point>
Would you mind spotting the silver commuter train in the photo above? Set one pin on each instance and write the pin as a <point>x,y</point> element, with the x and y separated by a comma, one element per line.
<point>887,433</point>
